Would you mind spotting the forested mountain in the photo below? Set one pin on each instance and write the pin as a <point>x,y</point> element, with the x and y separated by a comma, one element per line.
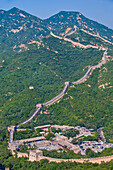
<point>18,27</point>
<point>46,68</point>
<point>63,20</point>
<point>31,56</point>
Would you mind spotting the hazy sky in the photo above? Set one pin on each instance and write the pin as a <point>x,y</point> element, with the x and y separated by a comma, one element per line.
<point>99,10</point>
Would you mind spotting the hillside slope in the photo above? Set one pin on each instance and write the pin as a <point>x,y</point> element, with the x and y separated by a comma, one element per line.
<point>35,65</point>
<point>63,20</point>
<point>89,104</point>
<point>17,27</point>
<point>46,68</point>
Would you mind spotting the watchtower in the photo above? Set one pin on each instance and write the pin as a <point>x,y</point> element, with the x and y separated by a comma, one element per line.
<point>39,105</point>
<point>11,128</point>
<point>68,83</point>
<point>35,154</point>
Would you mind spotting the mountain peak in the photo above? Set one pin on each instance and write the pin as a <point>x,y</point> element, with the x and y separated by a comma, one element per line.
<point>14,9</point>
<point>68,12</point>
<point>24,27</point>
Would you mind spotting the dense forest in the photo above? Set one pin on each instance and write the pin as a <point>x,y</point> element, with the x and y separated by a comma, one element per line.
<point>43,69</point>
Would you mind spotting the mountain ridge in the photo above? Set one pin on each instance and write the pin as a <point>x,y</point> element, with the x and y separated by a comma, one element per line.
<point>19,27</point>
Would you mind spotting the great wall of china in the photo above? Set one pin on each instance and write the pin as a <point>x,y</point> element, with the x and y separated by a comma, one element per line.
<point>39,107</point>
<point>98,160</point>
<point>67,84</point>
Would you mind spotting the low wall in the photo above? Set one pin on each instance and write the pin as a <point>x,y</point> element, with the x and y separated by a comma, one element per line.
<point>18,130</point>
<point>20,154</point>
<point>92,160</point>
<point>53,100</point>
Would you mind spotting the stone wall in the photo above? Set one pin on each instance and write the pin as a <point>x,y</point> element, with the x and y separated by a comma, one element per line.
<point>92,160</point>
<point>20,154</point>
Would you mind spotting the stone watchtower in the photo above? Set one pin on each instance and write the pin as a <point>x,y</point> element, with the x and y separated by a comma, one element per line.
<point>39,105</point>
<point>11,128</point>
<point>68,83</point>
<point>35,154</point>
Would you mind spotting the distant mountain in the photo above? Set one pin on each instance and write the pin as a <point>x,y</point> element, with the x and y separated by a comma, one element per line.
<point>18,27</point>
<point>63,20</point>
